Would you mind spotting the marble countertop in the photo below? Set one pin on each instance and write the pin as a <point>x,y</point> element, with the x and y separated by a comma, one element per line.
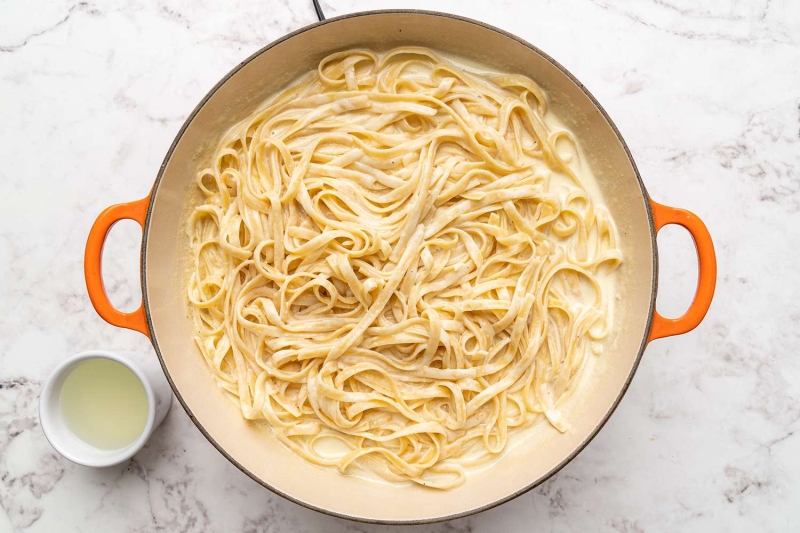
<point>708,98</point>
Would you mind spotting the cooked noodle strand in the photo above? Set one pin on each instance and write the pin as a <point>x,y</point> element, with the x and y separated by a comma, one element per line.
<point>396,255</point>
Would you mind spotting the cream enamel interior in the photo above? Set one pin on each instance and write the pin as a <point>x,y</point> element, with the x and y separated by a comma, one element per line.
<point>251,446</point>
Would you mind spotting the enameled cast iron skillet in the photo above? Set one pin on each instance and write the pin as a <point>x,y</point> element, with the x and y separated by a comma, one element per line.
<point>164,314</point>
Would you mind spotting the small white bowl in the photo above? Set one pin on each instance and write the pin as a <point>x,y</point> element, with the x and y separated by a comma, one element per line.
<point>159,399</point>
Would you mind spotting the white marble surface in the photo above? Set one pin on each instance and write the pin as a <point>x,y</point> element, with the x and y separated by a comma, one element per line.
<point>707,96</point>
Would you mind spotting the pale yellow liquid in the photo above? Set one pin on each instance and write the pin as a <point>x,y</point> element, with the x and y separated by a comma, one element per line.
<point>104,404</point>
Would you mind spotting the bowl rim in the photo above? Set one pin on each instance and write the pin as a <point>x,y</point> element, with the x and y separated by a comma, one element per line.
<point>642,345</point>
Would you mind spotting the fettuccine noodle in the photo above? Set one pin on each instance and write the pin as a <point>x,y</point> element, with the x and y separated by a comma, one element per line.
<point>397,256</point>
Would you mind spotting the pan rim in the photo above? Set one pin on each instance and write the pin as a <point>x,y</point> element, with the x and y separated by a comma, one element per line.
<point>578,449</point>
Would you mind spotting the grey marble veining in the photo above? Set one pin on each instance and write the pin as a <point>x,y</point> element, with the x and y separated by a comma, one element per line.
<point>707,94</point>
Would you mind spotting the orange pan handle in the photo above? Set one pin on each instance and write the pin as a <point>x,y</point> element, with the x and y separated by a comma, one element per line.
<point>706,269</point>
<point>93,269</point>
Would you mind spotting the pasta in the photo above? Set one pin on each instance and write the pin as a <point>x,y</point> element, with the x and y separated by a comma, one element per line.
<point>396,265</point>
